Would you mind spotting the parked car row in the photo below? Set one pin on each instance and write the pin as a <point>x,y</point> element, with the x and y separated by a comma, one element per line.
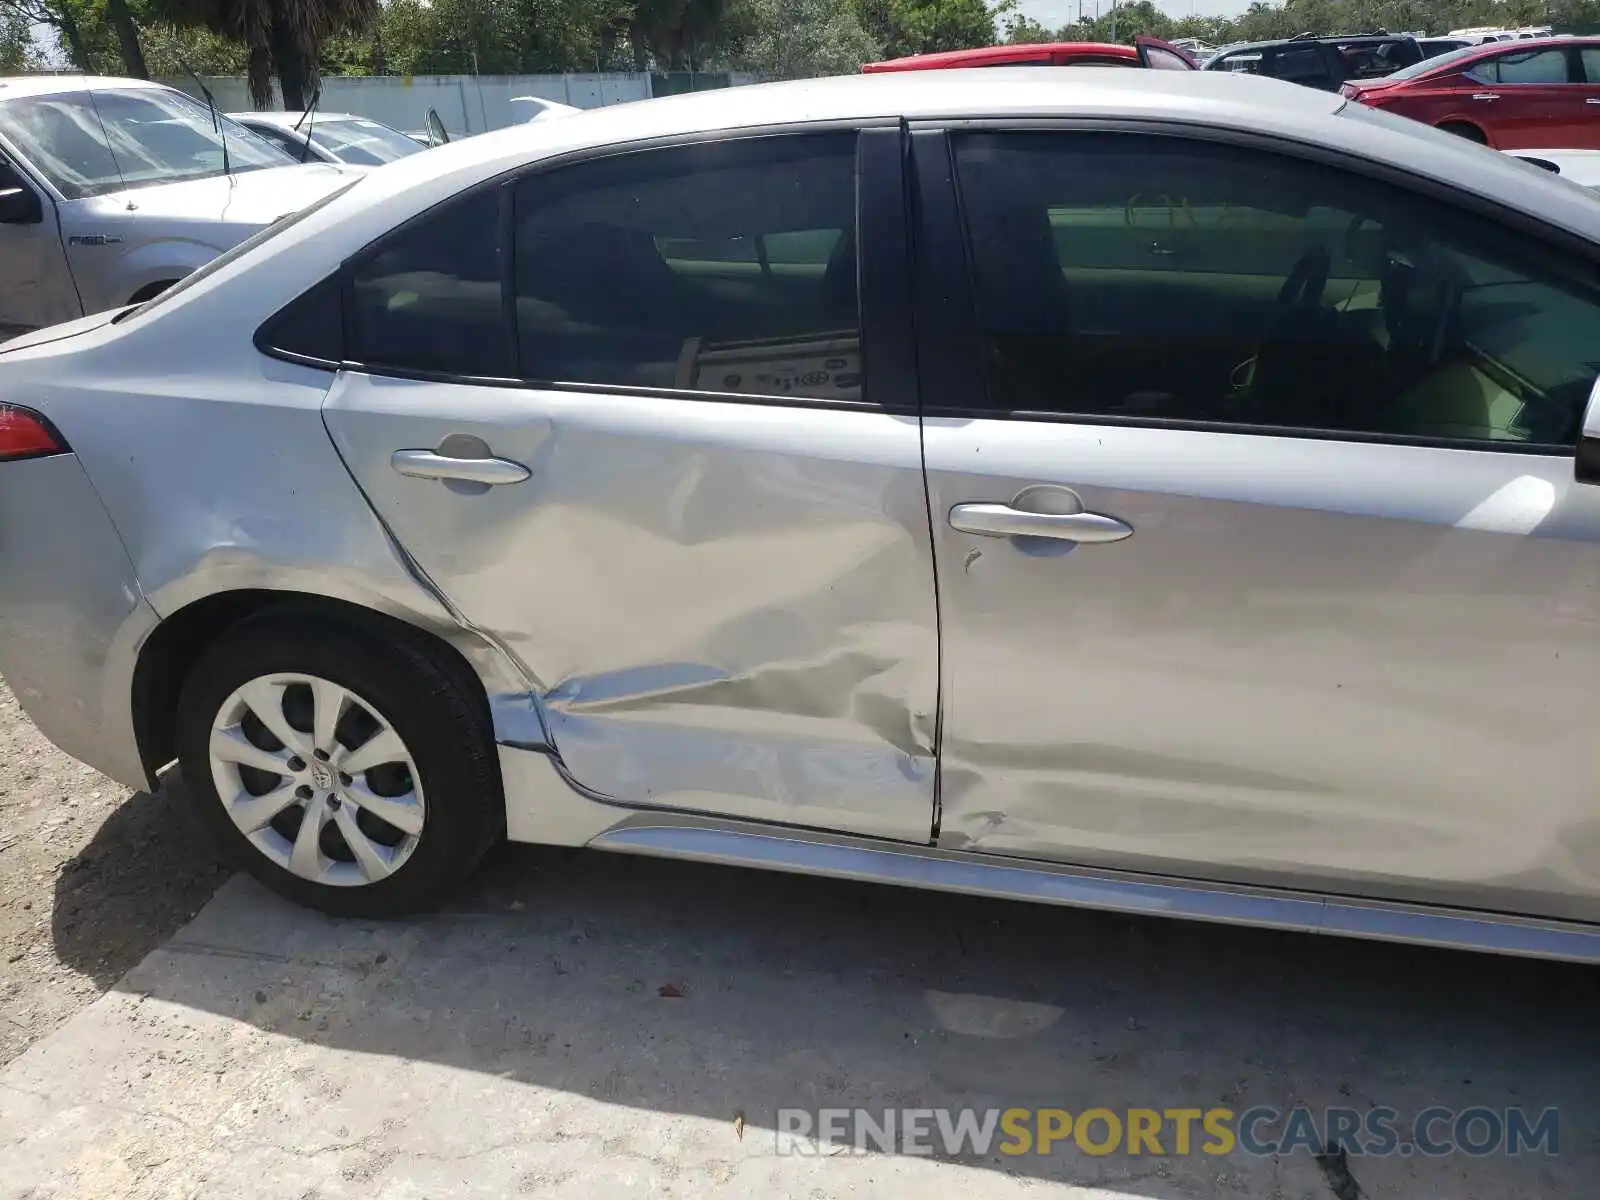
<point>1478,34</point>
<point>1509,95</point>
<point>1515,93</point>
<point>1320,62</point>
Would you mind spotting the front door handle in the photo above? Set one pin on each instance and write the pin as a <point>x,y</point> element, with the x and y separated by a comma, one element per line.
<point>1001,520</point>
<point>430,464</point>
<point>1485,95</point>
<point>1592,100</point>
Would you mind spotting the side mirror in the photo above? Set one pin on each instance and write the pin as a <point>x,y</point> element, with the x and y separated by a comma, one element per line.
<point>436,129</point>
<point>19,205</point>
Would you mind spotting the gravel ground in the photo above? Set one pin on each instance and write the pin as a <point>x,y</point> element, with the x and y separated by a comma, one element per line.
<point>92,878</point>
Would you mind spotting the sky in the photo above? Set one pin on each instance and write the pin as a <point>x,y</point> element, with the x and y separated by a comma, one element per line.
<point>1052,14</point>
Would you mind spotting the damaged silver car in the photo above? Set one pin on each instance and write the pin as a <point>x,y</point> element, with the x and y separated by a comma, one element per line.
<point>1158,491</point>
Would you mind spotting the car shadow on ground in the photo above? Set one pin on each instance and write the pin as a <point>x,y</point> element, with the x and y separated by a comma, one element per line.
<point>716,992</point>
<point>144,875</point>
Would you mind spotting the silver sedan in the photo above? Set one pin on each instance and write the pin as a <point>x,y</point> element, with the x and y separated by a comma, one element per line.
<point>1160,491</point>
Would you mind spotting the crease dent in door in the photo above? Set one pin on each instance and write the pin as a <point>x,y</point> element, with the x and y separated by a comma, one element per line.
<point>730,611</point>
<point>792,686</point>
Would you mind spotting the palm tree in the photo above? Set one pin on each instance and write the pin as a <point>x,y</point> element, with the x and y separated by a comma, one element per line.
<point>281,36</point>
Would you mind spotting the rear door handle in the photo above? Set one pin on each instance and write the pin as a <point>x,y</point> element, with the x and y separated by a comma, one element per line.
<point>1593,100</point>
<point>1485,96</point>
<point>429,464</point>
<point>1001,520</point>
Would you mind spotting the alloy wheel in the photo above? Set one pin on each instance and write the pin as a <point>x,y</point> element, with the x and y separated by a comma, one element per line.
<point>317,779</point>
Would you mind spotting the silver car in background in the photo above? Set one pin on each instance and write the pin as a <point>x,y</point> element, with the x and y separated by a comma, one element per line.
<point>1171,492</point>
<point>112,189</point>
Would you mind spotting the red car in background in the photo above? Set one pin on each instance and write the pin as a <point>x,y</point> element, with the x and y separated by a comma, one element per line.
<point>1145,52</point>
<point>1529,94</point>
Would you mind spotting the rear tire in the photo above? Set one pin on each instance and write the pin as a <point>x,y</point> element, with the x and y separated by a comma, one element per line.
<point>395,833</point>
<point>1464,130</point>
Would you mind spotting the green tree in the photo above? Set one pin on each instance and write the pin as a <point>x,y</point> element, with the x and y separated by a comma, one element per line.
<point>17,50</point>
<point>405,32</point>
<point>684,35</point>
<point>1023,30</point>
<point>65,18</point>
<point>172,51</point>
<point>282,37</point>
<point>928,26</point>
<point>492,37</point>
<point>1313,16</point>
<point>1129,21</point>
<point>799,39</point>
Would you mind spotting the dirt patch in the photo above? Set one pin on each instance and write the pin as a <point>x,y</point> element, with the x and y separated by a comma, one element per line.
<point>92,878</point>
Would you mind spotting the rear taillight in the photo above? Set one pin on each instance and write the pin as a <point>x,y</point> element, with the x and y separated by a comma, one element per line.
<point>26,434</point>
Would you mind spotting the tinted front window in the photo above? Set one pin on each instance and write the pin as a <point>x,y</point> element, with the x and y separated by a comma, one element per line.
<point>91,143</point>
<point>721,268</point>
<point>430,299</point>
<point>1142,277</point>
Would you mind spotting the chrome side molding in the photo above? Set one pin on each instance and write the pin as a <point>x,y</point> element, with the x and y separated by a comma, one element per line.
<point>988,875</point>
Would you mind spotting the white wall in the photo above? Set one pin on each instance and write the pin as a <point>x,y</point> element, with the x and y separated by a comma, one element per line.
<point>466,103</point>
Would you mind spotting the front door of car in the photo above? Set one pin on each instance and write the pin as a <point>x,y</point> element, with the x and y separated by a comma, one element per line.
<point>1525,97</point>
<point>1585,119</point>
<point>1260,554</point>
<point>36,286</point>
<point>649,422</point>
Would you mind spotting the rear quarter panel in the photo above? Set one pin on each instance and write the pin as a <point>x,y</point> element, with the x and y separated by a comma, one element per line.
<point>71,615</point>
<point>218,473</point>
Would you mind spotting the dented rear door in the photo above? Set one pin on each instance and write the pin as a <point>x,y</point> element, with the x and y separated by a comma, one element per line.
<point>704,534</point>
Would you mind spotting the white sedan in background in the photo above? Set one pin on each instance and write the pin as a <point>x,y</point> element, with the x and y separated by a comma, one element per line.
<point>331,137</point>
<point>1581,167</point>
<point>537,108</point>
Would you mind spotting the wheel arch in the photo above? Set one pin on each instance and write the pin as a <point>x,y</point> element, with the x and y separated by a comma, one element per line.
<point>1457,125</point>
<point>151,290</point>
<point>170,652</point>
